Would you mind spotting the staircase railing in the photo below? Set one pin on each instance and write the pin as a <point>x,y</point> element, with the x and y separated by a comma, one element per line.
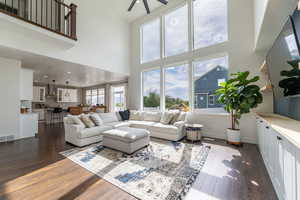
<point>53,15</point>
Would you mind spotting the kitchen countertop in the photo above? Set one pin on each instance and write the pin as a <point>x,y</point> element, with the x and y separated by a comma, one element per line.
<point>287,127</point>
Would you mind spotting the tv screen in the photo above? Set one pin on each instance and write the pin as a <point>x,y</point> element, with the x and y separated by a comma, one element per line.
<point>283,63</point>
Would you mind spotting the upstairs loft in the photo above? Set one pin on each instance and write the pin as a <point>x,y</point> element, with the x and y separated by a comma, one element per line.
<point>52,15</point>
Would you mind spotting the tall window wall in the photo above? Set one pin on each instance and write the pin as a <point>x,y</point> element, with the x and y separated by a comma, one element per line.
<point>179,35</point>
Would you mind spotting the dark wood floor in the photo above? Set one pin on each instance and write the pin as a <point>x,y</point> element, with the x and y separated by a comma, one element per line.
<point>33,169</point>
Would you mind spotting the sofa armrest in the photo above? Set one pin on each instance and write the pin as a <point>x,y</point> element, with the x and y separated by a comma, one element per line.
<point>72,131</point>
<point>179,124</point>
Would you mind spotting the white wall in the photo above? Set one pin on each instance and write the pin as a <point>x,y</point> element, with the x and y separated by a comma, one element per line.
<point>103,38</point>
<point>242,57</point>
<point>10,97</point>
<point>260,7</point>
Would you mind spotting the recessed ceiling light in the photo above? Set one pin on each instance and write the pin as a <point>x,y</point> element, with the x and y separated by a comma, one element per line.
<point>46,76</point>
<point>69,72</point>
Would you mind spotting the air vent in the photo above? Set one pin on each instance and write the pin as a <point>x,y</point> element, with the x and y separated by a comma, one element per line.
<point>10,138</point>
<point>3,139</point>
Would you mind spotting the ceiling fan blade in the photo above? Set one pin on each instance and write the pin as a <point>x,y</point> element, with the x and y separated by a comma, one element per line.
<point>163,1</point>
<point>131,5</point>
<point>146,6</point>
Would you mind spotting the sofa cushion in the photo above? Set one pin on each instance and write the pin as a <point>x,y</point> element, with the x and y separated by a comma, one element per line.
<point>87,121</point>
<point>72,119</point>
<point>95,131</point>
<point>136,115</point>
<point>182,116</point>
<point>163,128</point>
<point>118,124</point>
<point>96,119</point>
<point>167,117</point>
<point>126,134</point>
<point>108,117</point>
<point>141,124</point>
<point>152,116</point>
<point>176,114</point>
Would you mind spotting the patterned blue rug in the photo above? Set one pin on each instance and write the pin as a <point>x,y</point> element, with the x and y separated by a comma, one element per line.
<point>162,171</point>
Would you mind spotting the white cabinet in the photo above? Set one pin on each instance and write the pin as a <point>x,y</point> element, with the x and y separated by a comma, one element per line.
<point>26,87</point>
<point>39,94</point>
<point>41,113</point>
<point>280,158</point>
<point>67,95</point>
<point>28,125</point>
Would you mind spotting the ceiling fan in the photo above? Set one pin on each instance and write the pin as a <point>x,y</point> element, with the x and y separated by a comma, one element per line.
<point>145,4</point>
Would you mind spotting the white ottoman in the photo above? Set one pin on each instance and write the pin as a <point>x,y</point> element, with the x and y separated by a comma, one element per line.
<point>126,139</point>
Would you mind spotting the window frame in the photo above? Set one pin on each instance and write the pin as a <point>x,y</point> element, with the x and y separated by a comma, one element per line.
<point>189,57</point>
<point>97,96</point>
<point>141,36</point>
<point>143,86</point>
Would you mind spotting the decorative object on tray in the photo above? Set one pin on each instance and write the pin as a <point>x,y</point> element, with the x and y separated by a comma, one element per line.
<point>164,170</point>
<point>193,132</point>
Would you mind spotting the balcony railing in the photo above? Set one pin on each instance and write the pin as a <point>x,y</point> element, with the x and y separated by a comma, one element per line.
<point>53,15</point>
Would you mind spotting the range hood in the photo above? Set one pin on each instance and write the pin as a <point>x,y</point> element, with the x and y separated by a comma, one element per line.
<point>51,90</point>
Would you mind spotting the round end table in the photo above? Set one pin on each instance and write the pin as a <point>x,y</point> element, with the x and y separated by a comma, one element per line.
<point>193,132</point>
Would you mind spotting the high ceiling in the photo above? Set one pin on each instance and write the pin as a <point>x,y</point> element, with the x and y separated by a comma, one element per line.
<point>48,69</point>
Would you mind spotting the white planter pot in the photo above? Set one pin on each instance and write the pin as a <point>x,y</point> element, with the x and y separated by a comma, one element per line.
<point>234,136</point>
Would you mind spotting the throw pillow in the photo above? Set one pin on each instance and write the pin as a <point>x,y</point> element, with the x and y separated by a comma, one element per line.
<point>96,119</point>
<point>181,117</point>
<point>175,116</point>
<point>136,115</point>
<point>87,121</point>
<point>166,117</point>
<point>152,116</point>
<point>125,115</point>
<point>76,120</point>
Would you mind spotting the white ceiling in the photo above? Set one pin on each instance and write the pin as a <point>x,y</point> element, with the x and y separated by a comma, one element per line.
<point>61,71</point>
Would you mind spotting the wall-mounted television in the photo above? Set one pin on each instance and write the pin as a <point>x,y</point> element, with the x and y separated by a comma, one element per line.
<point>284,72</point>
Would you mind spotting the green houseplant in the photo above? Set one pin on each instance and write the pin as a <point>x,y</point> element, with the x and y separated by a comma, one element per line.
<point>239,95</point>
<point>291,84</point>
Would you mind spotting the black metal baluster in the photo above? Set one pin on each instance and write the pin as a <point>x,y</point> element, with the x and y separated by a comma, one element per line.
<point>36,12</point>
<point>42,8</point>
<point>31,10</point>
<point>51,2</point>
<point>47,13</point>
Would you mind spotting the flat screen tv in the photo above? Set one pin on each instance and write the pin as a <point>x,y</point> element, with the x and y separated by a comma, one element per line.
<point>284,72</point>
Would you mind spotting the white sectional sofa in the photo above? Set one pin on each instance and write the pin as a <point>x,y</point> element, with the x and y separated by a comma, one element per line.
<point>79,135</point>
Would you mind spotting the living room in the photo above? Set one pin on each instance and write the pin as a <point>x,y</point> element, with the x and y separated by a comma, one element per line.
<point>157,99</point>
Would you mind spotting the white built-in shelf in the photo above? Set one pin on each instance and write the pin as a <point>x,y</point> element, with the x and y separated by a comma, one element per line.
<point>264,68</point>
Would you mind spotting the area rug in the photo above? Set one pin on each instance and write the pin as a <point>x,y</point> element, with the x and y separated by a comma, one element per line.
<point>162,171</point>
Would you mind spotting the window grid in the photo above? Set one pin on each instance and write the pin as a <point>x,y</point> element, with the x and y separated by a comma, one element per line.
<point>190,56</point>
<point>95,96</point>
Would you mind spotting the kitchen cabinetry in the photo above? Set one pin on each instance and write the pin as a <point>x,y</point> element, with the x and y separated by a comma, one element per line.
<point>281,160</point>
<point>26,81</point>
<point>28,125</point>
<point>67,95</point>
<point>41,113</point>
<point>39,94</point>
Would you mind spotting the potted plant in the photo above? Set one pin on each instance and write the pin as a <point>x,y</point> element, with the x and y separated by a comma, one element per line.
<point>239,95</point>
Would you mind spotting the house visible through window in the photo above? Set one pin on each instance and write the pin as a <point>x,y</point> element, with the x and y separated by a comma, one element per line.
<point>208,74</point>
<point>184,31</point>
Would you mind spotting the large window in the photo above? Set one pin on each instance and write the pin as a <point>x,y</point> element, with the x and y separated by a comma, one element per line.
<point>210,22</point>
<point>151,89</point>
<point>150,39</point>
<point>118,98</point>
<point>208,75</point>
<point>177,87</point>
<point>176,31</point>
<point>95,96</point>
